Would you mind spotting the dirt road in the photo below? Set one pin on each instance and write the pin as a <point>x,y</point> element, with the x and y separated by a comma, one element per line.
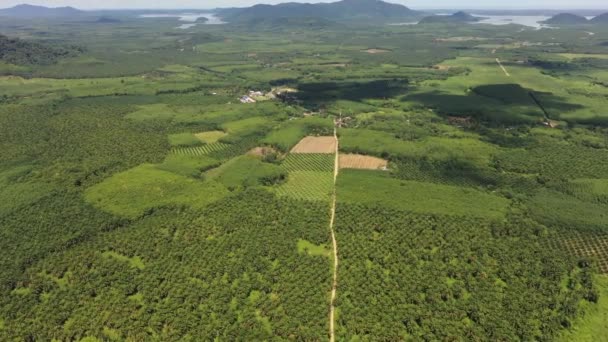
<point>332,336</point>
<point>502,67</point>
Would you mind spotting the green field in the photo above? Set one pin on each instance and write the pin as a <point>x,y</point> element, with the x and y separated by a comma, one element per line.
<point>144,188</point>
<point>375,187</point>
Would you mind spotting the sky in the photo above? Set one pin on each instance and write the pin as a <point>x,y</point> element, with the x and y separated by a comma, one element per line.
<point>415,4</point>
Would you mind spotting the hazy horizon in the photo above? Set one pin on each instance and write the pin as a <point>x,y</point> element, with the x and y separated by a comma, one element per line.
<point>415,4</point>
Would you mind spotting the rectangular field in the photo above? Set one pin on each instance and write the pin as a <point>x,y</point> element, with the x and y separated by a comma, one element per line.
<point>359,161</point>
<point>315,145</point>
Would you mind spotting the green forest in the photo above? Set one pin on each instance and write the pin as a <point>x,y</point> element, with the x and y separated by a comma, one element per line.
<point>302,179</point>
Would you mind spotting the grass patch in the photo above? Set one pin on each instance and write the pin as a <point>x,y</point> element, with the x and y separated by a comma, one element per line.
<point>111,334</point>
<point>134,262</point>
<point>376,187</point>
<point>246,171</point>
<point>365,141</point>
<point>184,140</point>
<point>22,291</point>
<point>293,131</point>
<point>247,126</point>
<point>307,247</point>
<point>210,137</point>
<point>593,325</point>
<point>188,165</point>
<point>131,193</point>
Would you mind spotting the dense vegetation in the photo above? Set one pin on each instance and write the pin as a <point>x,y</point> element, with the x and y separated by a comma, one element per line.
<point>17,51</point>
<point>141,200</point>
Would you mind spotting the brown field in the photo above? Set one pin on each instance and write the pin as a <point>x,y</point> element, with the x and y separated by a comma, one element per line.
<point>315,145</point>
<point>358,161</point>
<point>375,51</point>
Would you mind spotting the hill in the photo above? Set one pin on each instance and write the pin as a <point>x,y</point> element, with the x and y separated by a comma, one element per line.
<point>108,20</point>
<point>292,22</point>
<point>31,11</point>
<point>458,17</point>
<point>341,10</point>
<point>601,19</point>
<point>566,19</point>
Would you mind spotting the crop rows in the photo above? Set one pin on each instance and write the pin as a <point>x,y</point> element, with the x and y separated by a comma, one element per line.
<point>309,162</point>
<point>200,150</point>
<point>584,245</point>
<point>307,185</point>
<point>406,274</point>
<point>557,161</point>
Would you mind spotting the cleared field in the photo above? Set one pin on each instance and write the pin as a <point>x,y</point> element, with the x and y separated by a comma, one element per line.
<point>184,140</point>
<point>210,137</point>
<point>315,145</point>
<point>359,161</point>
<point>261,151</point>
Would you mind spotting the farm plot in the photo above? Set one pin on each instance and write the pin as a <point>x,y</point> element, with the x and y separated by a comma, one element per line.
<point>310,176</point>
<point>359,161</point>
<point>309,162</point>
<point>308,185</point>
<point>315,145</point>
<point>200,150</point>
<point>592,245</point>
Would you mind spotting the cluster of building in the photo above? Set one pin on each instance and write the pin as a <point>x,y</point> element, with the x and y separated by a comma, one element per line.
<point>254,96</point>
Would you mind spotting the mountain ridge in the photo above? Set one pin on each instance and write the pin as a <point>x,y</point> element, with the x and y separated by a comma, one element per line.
<point>458,17</point>
<point>340,10</point>
<point>32,11</point>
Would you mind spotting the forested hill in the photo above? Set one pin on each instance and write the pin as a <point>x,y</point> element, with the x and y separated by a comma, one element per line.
<point>566,19</point>
<point>341,10</point>
<point>600,19</point>
<point>458,17</point>
<point>21,52</point>
<point>30,11</point>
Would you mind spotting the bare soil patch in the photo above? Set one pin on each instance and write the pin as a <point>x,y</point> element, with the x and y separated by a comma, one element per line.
<point>375,51</point>
<point>442,67</point>
<point>261,151</point>
<point>315,145</point>
<point>359,161</point>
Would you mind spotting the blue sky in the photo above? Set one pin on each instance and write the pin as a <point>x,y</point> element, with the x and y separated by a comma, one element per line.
<point>416,4</point>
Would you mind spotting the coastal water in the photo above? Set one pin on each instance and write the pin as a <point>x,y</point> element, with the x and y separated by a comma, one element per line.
<point>189,19</point>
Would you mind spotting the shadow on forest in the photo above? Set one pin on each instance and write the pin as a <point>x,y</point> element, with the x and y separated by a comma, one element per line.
<point>326,92</point>
<point>500,103</point>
